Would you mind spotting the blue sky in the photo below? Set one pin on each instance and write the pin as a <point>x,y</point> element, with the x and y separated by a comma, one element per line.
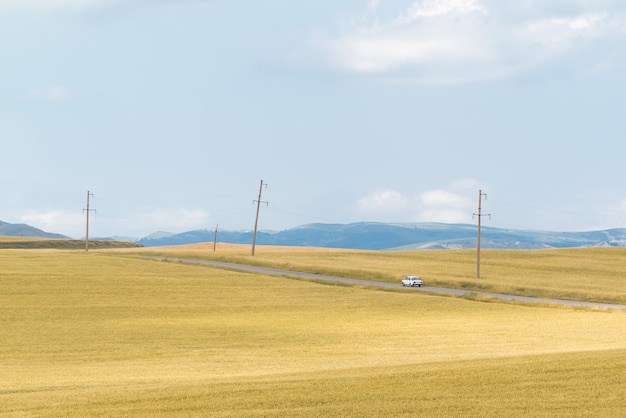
<point>171,112</point>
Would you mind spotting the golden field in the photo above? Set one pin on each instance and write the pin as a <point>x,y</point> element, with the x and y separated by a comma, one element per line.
<point>107,333</point>
<point>588,274</point>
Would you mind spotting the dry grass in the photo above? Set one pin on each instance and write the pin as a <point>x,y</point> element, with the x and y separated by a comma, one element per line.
<point>102,335</point>
<point>580,384</point>
<point>589,274</point>
<point>66,244</point>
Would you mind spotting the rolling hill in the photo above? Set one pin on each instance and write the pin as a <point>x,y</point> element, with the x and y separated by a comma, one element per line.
<point>373,236</point>
<point>23,230</point>
<point>383,236</point>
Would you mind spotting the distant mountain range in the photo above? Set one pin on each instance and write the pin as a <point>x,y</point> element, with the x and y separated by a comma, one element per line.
<point>384,236</point>
<point>23,230</point>
<point>374,236</point>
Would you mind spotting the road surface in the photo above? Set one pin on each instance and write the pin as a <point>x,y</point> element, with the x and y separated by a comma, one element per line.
<point>426,289</point>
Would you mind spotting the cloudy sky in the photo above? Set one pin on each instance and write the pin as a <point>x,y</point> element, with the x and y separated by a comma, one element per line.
<point>171,112</point>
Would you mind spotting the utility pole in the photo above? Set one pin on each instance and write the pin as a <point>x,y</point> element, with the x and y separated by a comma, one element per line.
<point>87,210</point>
<point>215,238</point>
<point>256,221</point>
<point>479,215</point>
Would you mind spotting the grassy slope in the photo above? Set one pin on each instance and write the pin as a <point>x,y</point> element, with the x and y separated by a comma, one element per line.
<point>61,244</point>
<point>95,334</point>
<point>591,274</point>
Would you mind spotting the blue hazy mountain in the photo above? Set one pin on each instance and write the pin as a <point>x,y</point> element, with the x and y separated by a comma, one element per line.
<point>373,236</point>
<point>23,230</point>
<point>410,236</point>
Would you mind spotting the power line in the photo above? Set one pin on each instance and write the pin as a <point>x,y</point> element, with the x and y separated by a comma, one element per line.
<point>273,208</point>
<point>617,214</point>
<point>302,196</point>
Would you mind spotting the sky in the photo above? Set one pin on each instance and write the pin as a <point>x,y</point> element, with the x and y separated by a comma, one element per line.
<point>170,113</point>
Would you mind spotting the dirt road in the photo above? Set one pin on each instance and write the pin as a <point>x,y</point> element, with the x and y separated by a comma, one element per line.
<point>425,289</point>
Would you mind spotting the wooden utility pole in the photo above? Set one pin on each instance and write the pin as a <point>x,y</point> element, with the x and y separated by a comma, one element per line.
<point>215,238</point>
<point>256,221</point>
<point>479,215</point>
<point>87,210</point>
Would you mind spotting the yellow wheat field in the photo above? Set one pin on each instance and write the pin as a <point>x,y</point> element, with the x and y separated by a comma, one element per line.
<point>590,274</point>
<point>104,334</point>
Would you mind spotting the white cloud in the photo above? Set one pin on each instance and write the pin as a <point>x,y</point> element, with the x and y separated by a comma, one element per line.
<point>561,33</point>
<point>176,220</point>
<point>442,198</point>
<point>433,8</point>
<point>56,221</point>
<point>103,224</point>
<point>454,204</point>
<point>443,216</point>
<point>383,201</point>
<point>444,206</point>
<point>453,41</point>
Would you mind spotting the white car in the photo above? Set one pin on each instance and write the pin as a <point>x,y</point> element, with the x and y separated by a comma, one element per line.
<point>412,281</point>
